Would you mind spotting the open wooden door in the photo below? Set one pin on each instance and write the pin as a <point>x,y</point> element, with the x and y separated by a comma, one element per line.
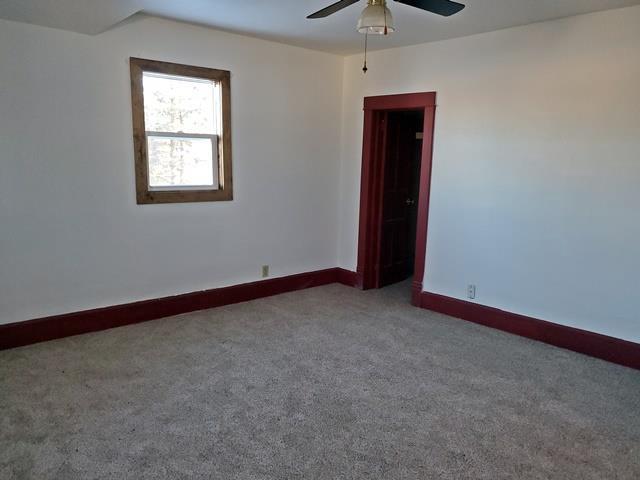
<point>400,195</point>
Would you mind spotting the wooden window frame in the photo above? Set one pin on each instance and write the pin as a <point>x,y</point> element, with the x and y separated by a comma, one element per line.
<point>145,195</point>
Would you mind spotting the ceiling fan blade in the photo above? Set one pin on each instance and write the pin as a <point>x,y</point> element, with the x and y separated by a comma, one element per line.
<point>325,12</point>
<point>441,7</point>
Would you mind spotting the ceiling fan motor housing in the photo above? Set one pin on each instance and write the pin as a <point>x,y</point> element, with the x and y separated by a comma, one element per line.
<point>376,18</point>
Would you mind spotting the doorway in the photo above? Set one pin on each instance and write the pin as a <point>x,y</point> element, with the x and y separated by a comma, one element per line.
<point>400,190</point>
<point>395,186</point>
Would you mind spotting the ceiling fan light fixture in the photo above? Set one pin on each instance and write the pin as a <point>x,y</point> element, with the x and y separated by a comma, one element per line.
<point>376,19</point>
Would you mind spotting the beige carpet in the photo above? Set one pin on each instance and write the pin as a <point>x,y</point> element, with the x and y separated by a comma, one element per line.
<point>327,383</point>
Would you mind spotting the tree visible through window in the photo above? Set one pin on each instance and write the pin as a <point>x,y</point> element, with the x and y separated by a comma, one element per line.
<point>182,135</point>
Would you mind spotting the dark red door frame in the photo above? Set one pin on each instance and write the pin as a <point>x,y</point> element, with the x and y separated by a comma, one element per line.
<point>375,110</point>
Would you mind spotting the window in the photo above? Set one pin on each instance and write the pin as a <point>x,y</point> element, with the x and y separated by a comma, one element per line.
<point>181,132</point>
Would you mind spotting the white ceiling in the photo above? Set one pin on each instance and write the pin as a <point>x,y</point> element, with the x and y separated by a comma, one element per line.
<point>284,20</point>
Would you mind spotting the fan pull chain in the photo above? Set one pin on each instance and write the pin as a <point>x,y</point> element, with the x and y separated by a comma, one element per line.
<point>364,68</point>
<point>385,18</point>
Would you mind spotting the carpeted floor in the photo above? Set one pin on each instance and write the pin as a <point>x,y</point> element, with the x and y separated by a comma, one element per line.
<point>329,383</point>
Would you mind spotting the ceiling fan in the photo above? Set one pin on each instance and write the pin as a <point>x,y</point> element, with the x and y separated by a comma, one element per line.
<point>440,7</point>
<point>376,18</point>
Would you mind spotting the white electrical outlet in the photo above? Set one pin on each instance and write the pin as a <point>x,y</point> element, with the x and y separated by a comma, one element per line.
<point>471,291</point>
<point>265,271</point>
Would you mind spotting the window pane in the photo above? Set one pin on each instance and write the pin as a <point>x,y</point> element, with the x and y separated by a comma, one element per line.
<point>182,162</point>
<point>178,104</point>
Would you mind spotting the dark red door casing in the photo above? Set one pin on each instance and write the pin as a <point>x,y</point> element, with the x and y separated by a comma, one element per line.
<point>372,184</point>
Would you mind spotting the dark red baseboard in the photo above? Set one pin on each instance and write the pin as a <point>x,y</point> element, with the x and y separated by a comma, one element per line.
<point>39,330</point>
<point>347,277</point>
<point>594,344</point>
<point>59,326</point>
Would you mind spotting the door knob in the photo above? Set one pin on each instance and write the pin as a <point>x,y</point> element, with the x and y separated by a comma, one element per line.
<point>408,201</point>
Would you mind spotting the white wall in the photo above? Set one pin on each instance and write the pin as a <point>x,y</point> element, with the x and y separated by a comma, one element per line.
<point>536,168</point>
<point>536,180</point>
<point>71,234</point>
